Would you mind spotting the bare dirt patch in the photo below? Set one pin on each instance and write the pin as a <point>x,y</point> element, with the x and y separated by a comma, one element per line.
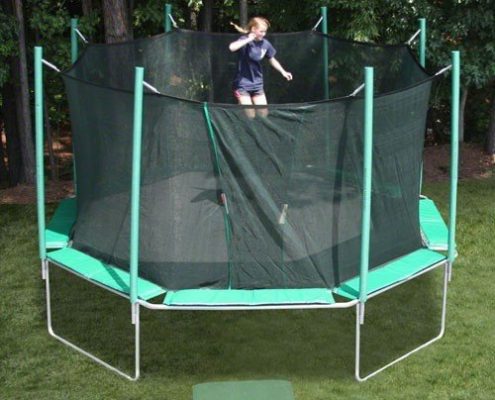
<point>474,164</point>
<point>25,194</point>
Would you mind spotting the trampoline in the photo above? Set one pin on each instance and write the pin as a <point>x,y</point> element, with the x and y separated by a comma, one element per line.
<point>185,201</point>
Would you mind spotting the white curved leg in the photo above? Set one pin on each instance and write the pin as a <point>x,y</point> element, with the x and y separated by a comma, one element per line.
<point>359,321</point>
<point>135,313</point>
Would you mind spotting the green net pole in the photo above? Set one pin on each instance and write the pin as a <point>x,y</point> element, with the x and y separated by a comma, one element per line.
<point>211,136</point>
<point>226,221</point>
<point>74,50</point>
<point>326,94</point>
<point>40,176</point>
<point>454,169</point>
<point>324,30</point>
<point>136,179</point>
<point>74,53</point>
<point>168,22</point>
<point>422,61</point>
<point>367,174</point>
<point>422,42</point>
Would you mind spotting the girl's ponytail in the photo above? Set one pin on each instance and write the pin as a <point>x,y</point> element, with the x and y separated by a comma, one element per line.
<point>239,28</point>
<point>253,22</point>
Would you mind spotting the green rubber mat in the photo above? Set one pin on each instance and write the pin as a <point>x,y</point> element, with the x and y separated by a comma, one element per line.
<point>105,274</point>
<point>244,390</point>
<point>392,272</point>
<point>242,297</point>
<point>433,228</point>
<point>58,230</point>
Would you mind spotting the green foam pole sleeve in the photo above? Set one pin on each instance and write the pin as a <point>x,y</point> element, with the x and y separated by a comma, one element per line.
<point>136,180</point>
<point>324,30</point>
<point>454,155</point>
<point>74,50</point>
<point>367,175</point>
<point>167,22</point>
<point>422,42</point>
<point>40,175</point>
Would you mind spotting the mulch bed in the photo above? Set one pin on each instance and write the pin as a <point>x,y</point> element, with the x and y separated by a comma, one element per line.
<point>25,194</point>
<point>474,164</point>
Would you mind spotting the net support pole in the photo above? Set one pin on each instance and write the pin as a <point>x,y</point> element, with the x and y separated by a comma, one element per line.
<point>367,174</point>
<point>422,42</point>
<point>168,22</point>
<point>218,172</point>
<point>74,53</point>
<point>422,61</point>
<point>326,94</point>
<point>324,30</point>
<point>454,154</point>
<point>74,49</point>
<point>40,175</point>
<point>136,180</point>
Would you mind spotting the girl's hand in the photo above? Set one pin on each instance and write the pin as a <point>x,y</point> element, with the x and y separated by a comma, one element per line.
<point>287,75</point>
<point>234,46</point>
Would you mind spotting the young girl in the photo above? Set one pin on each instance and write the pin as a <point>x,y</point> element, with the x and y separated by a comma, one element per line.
<point>253,47</point>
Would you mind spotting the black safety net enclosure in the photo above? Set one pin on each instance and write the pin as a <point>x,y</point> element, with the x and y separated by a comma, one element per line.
<point>247,196</point>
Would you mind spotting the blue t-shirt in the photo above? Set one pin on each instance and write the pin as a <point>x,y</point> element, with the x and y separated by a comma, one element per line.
<point>249,70</point>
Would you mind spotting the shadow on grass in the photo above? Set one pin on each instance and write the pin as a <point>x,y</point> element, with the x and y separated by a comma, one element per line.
<point>201,345</point>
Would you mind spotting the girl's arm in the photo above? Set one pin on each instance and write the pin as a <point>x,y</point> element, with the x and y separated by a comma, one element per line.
<point>234,46</point>
<point>275,64</point>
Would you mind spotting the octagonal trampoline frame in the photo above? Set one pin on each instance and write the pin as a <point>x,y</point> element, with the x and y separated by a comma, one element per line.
<point>358,302</point>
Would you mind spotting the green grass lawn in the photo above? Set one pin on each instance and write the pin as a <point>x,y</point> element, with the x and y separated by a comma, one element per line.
<point>312,349</point>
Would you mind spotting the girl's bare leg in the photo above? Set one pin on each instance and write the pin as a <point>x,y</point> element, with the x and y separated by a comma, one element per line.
<point>246,100</point>
<point>261,100</point>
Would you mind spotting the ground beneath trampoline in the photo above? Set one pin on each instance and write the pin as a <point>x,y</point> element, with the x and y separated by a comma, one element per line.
<point>474,164</point>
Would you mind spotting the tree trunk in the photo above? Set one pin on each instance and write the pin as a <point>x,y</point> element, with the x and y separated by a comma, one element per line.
<point>11,133</point>
<point>4,173</point>
<point>115,20</point>
<point>207,15</point>
<point>243,12</point>
<point>193,18</point>
<point>130,15</point>
<point>490,142</point>
<point>23,106</point>
<point>464,96</point>
<point>87,7</point>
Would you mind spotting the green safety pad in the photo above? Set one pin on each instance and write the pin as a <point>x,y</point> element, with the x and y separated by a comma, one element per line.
<point>102,273</point>
<point>58,230</point>
<point>392,272</point>
<point>433,228</point>
<point>244,390</point>
<point>244,297</point>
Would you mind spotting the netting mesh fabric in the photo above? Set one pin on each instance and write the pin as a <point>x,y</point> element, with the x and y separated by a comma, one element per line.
<point>271,197</point>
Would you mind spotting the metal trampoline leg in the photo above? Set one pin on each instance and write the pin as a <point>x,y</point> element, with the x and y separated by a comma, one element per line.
<point>439,336</point>
<point>137,341</point>
<point>136,322</point>
<point>44,268</point>
<point>450,271</point>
